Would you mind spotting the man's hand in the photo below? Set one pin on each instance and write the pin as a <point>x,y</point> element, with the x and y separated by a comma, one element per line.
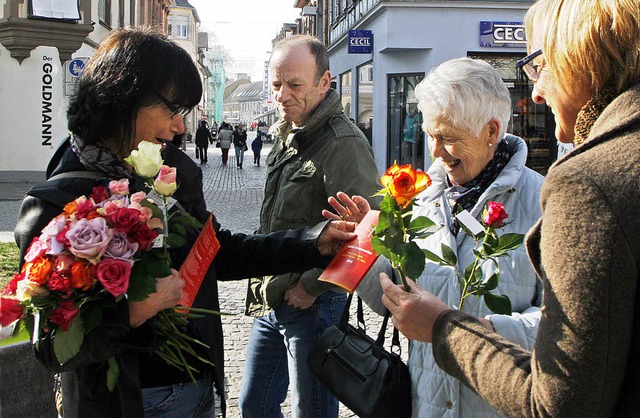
<point>334,236</point>
<point>167,295</point>
<point>351,209</point>
<point>297,297</point>
<point>415,312</point>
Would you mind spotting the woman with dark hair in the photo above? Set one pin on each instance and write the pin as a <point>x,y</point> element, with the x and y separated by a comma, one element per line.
<point>125,96</point>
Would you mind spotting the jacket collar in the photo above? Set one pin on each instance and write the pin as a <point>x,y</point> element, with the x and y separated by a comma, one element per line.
<point>621,113</point>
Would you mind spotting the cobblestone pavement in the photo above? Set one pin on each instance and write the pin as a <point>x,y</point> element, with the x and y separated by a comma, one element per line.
<point>235,197</point>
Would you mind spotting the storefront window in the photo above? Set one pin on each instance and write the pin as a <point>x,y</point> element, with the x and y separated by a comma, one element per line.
<point>405,136</point>
<point>345,92</point>
<point>365,100</point>
<point>531,121</point>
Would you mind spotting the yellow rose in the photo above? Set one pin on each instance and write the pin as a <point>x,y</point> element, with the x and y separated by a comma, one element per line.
<point>165,183</point>
<point>146,160</point>
<point>404,183</point>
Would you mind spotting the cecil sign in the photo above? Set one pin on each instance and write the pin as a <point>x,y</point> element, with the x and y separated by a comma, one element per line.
<point>502,34</point>
<point>360,41</point>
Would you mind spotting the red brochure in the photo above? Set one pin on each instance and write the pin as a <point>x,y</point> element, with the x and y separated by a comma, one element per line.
<point>197,263</point>
<point>354,260</point>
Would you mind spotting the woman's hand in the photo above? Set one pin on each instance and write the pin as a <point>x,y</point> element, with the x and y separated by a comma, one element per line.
<point>351,209</point>
<point>414,312</point>
<point>167,295</point>
<point>334,236</point>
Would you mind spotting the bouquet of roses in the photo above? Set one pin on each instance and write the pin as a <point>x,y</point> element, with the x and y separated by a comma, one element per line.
<point>101,249</point>
<point>397,229</point>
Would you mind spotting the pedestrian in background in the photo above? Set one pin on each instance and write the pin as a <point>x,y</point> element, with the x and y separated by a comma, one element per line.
<point>203,139</point>
<point>317,152</point>
<point>256,147</point>
<point>240,144</point>
<point>584,62</point>
<point>124,98</point>
<point>225,139</point>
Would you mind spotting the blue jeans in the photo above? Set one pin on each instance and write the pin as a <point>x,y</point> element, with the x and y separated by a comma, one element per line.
<point>180,400</point>
<point>239,155</point>
<point>277,352</point>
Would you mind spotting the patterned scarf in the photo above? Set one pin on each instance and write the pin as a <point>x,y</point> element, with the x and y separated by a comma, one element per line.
<point>465,196</point>
<point>99,158</point>
<point>590,112</point>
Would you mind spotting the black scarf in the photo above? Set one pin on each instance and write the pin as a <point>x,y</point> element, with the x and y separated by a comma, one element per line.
<point>465,196</point>
<point>99,158</point>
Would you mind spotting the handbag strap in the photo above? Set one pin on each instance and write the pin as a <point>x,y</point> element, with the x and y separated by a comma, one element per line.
<point>344,321</point>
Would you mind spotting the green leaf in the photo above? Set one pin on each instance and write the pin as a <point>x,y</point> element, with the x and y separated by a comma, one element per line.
<point>155,210</point>
<point>379,247</point>
<point>92,318</point>
<point>66,344</point>
<point>383,223</point>
<point>186,219</point>
<point>448,255</point>
<point>175,240</point>
<point>388,204</point>
<point>141,283</point>
<point>492,283</point>
<point>509,242</point>
<point>420,224</point>
<point>412,261</point>
<point>434,257</point>
<point>178,228</point>
<point>113,373</point>
<point>499,304</point>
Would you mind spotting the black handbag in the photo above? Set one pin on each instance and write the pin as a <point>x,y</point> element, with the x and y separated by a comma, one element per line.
<point>369,380</point>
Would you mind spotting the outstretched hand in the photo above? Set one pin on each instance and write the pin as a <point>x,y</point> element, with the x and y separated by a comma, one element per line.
<point>414,312</point>
<point>351,209</point>
<point>334,236</point>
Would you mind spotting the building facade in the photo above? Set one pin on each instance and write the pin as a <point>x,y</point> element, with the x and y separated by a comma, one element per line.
<point>43,48</point>
<point>380,50</point>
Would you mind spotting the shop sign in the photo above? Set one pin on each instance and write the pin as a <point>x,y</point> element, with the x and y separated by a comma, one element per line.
<point>360,41</point>
<point>502,34</point>
<point>72,70</point>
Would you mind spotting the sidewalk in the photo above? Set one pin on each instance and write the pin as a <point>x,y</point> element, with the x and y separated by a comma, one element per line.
<point>235,197</point>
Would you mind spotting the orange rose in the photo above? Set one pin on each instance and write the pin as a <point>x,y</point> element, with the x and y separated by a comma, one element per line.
<point>404,183</point>
<point>81,276</point>
<point>38,270</point>
<point>70,208</point>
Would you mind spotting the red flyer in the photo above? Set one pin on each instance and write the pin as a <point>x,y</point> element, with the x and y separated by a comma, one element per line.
<point>351,264</point>
<point>197,263</point>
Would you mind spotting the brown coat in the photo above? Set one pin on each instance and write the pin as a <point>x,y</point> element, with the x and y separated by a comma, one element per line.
<point>586,247</point>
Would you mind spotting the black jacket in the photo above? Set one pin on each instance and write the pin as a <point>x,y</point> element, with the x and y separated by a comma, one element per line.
<point>84,376</point>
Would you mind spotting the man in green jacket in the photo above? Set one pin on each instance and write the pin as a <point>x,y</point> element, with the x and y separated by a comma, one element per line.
<point>317,153</point>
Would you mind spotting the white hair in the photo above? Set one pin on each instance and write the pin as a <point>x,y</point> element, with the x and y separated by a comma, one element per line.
<point>466,93</point>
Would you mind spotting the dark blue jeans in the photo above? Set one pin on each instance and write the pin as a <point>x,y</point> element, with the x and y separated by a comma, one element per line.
<point>277,353</point>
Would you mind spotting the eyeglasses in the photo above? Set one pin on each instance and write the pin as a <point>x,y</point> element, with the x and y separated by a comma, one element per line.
<point>531,70</point>
<point>175,110</point>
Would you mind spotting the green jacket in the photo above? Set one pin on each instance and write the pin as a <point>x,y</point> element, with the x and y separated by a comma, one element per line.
<point>305,166</point>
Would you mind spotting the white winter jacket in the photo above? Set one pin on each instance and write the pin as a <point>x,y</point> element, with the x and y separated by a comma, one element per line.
<point>434,393</point>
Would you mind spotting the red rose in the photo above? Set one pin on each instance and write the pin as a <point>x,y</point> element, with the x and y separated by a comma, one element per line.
<point>84,207</point>
<point>10,289</point>
<point>143,235</point>
<point>59,281</point>
<point>124,219</point>
<point>64,314</point>
<point>99,193</point>
<point>494,215</point>
<point>114,275</point>
<point>10,311</point>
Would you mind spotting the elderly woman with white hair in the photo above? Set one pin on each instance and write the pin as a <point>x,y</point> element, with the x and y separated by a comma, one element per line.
<point>466,107</point>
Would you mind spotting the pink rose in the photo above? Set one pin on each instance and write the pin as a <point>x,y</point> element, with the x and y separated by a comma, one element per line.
<point>120,247</point>
<point>88,239</point>
<point>59,281</point>
<point>114,275</point>
<point>494,215</point>
<point>36,249</point>
<point>99,193</point>
<point>138,197</point>
<point>165,183</point>
<point>119,187</point>
<point>54,227</point>
<point>64,314</point>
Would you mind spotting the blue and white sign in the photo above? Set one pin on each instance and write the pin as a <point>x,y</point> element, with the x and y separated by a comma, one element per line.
<point>360,41</point>
<point>502,34</point>
<point>72,70</point>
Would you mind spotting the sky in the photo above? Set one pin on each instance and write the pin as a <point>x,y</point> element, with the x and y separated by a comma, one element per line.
<point>245,28</point>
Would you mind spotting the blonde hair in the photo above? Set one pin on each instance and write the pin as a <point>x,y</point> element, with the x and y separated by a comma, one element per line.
<point>593,43</point>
